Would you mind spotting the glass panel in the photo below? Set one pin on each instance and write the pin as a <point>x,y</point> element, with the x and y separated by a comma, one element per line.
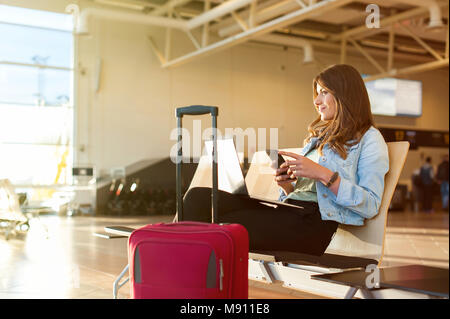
<point>57,87</point>
<point>36,113</point>
<point>34,86</point>
<point>36,164</point>
<point>39,125</point>
<point>37,18</point>
<point>35,46</point>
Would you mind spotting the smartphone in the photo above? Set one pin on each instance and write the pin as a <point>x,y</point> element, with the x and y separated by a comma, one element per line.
<point>276,158</point>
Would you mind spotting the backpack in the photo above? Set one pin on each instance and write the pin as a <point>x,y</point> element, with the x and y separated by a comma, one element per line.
<point>417,181</point>
<point>425,175</point>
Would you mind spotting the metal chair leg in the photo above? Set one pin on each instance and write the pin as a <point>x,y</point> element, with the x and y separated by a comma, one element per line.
<point>367,294</point>
<point>266,271</point>
<point>351,292</point>
<point>117,285</point>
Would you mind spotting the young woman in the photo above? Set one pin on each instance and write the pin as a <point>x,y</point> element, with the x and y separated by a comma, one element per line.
<point>337,178</point>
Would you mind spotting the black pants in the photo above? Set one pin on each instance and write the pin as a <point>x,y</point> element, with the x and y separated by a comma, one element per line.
<point>281,228</point>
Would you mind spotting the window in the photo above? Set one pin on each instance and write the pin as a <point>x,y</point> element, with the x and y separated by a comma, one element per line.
<point>36,96</point>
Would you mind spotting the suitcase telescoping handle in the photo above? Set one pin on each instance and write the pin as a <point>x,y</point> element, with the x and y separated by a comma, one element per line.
<point>197,110</point>
<point>201,224</point>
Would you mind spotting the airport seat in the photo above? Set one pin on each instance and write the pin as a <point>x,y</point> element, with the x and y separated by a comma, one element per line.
<point>11,215</point>
<point>15,215</point>
<point>351,246</point>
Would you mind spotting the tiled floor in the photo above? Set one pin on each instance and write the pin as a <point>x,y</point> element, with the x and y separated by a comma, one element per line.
<point>60,258</point>
<point>417,238</point>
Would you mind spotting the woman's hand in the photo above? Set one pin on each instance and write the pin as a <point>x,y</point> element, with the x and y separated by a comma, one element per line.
<point>302,166</point>
<point>283,179</point>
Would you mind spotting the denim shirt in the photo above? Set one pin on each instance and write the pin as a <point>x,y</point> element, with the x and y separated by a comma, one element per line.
<point>362,179</point>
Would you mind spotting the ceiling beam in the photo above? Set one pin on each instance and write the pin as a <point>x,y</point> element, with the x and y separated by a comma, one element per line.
<point>217,12</point>
<point>383,23</point>
<point>421,42</point>
<point>367,55</point>
<point>168,6</point>
<point>390,59</point>
<point>129,4</point>
<point>270,10</point>
<point>332,47</point>
<point>409,70</point>
<point>281,22</point>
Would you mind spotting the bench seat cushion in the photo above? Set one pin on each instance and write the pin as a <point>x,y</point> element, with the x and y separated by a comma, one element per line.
<point>326,260</point>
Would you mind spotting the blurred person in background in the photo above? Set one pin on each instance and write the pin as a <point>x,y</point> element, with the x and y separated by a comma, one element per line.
<point>442,179</point>
<point>417,193</point>
<point>427,178</point>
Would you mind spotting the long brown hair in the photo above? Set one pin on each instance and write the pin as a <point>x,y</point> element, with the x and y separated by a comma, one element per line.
<point>353,115</point>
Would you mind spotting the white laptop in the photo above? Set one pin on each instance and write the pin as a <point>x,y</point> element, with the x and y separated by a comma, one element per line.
<point>230,176</point>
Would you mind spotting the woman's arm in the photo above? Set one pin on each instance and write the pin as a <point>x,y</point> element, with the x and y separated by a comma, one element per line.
<point>326,176</point>
<point>304,167</point>
<point>364,196</point>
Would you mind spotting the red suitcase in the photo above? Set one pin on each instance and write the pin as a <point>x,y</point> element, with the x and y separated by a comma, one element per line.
<point>190,260</point>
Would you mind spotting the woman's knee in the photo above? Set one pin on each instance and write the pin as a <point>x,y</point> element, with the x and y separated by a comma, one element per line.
<point>196,193</point>
<point>196,206</point>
